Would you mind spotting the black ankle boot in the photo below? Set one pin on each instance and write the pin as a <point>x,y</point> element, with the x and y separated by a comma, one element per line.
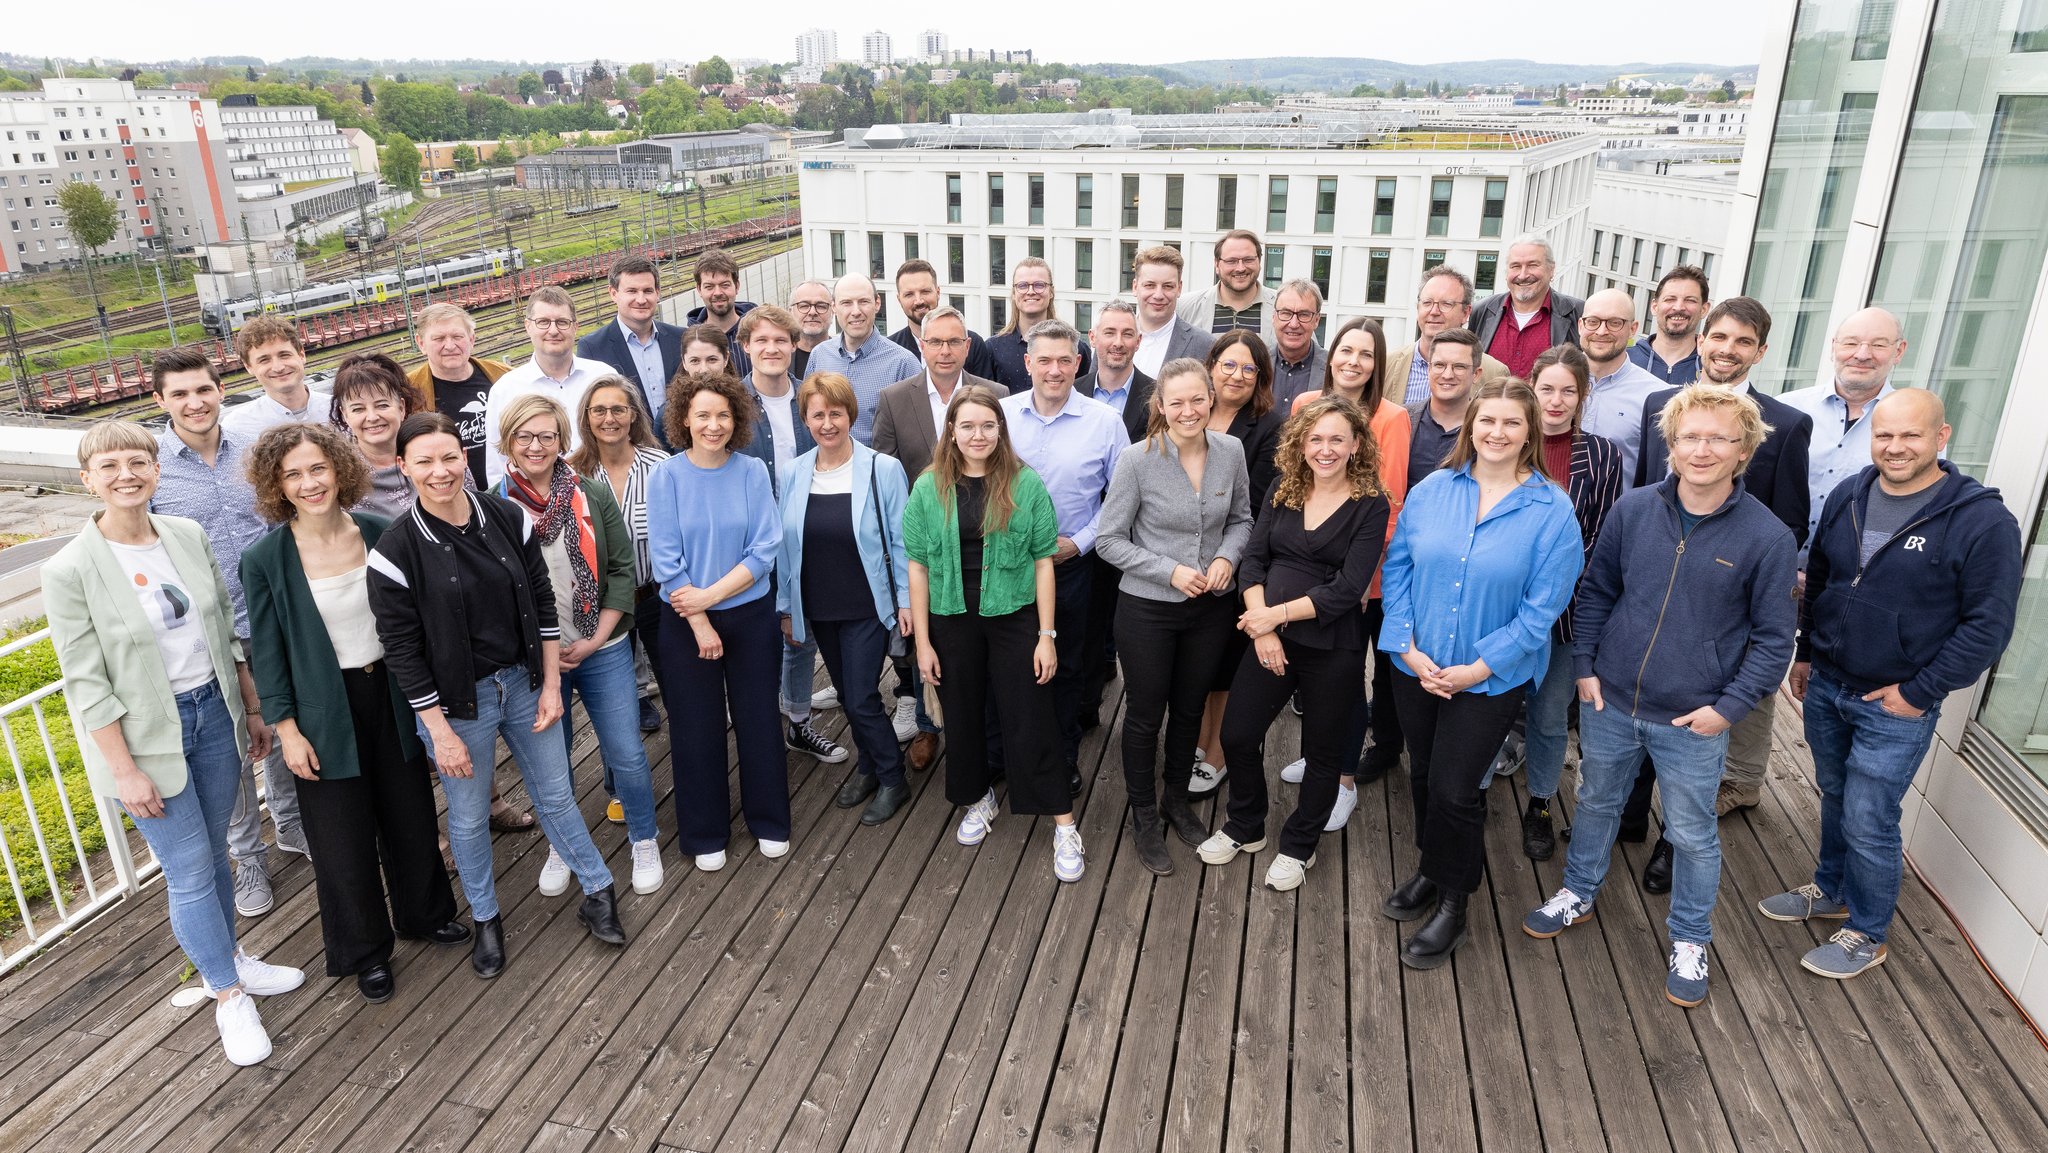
<point>1416,896</point>
<point>600,915</point>
<point>1433,944</point>
<point>1657,873</point>
<point>1150,839</point>
<point>487,949</point>
<point>1539,838</point>
<point>1179,815</point>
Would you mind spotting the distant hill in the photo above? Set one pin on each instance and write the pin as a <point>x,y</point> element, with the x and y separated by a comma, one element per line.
<point>1341,74</point>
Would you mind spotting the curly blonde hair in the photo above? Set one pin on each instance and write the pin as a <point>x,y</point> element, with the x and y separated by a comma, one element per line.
<point>1296,479</point>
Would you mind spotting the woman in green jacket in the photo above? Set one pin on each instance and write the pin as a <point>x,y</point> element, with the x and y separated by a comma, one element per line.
<point>344,728</point>
<point>980,533</point>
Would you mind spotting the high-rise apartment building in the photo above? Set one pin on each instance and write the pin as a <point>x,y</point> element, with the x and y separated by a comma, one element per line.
<point>933,43</point>
<point>875,48</point>
<point>817,48</point>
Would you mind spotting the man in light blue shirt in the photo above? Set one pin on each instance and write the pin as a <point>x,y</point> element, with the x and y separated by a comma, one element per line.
<point>1867,347</point>
<point>1619,387</point>
<point>1072,441</point>
<point>871,361</point>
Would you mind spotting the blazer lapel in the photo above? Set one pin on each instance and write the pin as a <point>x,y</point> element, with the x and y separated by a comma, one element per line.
<point>119,587</point>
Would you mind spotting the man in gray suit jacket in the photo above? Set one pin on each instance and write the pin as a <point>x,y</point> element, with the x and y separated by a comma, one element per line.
<point>909,412</point>
<point>1530,269</point>
<point>1162,334</point>
<point>655,350</point>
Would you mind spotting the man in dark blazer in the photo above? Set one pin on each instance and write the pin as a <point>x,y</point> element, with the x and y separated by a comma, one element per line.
<point>917,293</point>
<point>1530,269</point>
<point>1162,334</point>
<point>1116,340</point>
<point>637,346</point>
<point>904,424</point>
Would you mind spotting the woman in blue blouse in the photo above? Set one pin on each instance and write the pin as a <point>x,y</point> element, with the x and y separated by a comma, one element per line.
<point>712,535</point>
<point>1484,558</point>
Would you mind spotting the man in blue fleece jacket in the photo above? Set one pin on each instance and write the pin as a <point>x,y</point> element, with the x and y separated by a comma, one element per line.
<point>1682,623</point>
<point>1912,583</point>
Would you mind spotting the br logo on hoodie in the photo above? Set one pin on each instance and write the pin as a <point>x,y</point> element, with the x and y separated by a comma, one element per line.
<point>1915,544</point>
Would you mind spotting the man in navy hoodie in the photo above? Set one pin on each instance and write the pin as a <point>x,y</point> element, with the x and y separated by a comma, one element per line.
<point>1682,623</point>
<point>1912,583</point>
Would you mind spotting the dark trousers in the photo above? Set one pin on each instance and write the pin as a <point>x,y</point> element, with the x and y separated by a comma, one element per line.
<point>699,693</point>
<point>1174,647</point>
<point>985,667</point>
<point>388,806</point>
<point>1099,640</point>
<point>1071,584</point>
<point>1386,719</point>
<point>853,652</point>
<point>1450,745</point>
<point>1330,682</point>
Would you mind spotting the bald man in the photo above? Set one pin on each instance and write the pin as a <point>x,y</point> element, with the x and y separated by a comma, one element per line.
<point>1619,387</point>
<point>860,353</point>
<point>1911,589</point>
<point>1866,348</point>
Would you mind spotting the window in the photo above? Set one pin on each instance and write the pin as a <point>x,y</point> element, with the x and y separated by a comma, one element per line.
<point>995,198</point>
<point>1084,200</point>
<point>1383,206</point>
<point>1376,276</point>
<point>998,310</point>
<point>1127,257</point>
<point>1035,246</point>
<point>838,254</point>
<point>958,304</point>
<point>1130,202</point>
<point>875,258</point>
<point>1084,315</point>
<point>952,198</point>
<point>1707,264</point>
<point>1495,209</point>
<point>1176,186</point>
<point>956,260</point>
<point>1635,258</point>
<point>1276,204</point>
<point>998,259</point>
<point>1614,258</point>
<point>1276,265</point>
<point>1657,261</point>
<point>1226,203</point>
<point>910,246</point>
<point>1682,254</point>
<point>1084,264</point>
<point>1036,192</point>
<point>1440,206</point>
<point>1326,204</point>
<point>1319,271</point>
<point>1431,258</point>
<point>1487,270</point>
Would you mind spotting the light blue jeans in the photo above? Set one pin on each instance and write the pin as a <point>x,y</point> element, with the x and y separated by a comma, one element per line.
<point>190,839</point>
<point>1864,759</point>
<point>799,667</point>
<point>611,695</point>
<point>505,707</point>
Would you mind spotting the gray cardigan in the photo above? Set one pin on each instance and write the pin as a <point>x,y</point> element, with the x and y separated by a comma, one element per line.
<point>1153,519</point>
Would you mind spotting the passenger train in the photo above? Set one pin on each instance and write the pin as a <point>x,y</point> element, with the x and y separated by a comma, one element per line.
<point>224,318</point>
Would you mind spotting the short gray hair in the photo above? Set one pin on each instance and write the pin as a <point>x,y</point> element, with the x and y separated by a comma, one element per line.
<point>944,312</point>
<point>1052,329</point>
<point>1549,253</point>
<point>808,283</point>
<point>1117,305</point>
<point>1302,286</point>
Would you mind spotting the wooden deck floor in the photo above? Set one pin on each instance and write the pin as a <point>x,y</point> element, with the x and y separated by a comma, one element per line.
<point>887,989</point>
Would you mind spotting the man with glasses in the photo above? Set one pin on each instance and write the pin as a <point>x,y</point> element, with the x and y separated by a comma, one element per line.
<point>1031,301</point>
<point>1434,424</point>
<point>1444,303</point>
<point>1519,325</point>
<point>917,293</point>
<point>1116,381</point>
<point>640,347</point>
<point>1672,354</point>
<point>1618,387</point>
<point>554,370</point>
<point>811,304</point>
<point>1237,299</point>
<point>866,358</point>
<point>1297,358</point>
<point>1867,348</point>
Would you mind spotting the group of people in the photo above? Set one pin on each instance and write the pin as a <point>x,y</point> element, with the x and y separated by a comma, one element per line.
<point>1524,516</point>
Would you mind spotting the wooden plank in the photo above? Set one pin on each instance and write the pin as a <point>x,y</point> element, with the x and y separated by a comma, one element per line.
<point>86,1126</point>
<point>1439,1083</point>
<point>554,1138</point>
<point>1258,1069</point>
<point>337,1117</point>
<point>27,1081</point>
<point>1200,1099</point>
<point>1375,857</point>
<point>1134,1114</point>
<point>1319,1093</point>
<point>447,1127</point>
<point>1506,1109</point>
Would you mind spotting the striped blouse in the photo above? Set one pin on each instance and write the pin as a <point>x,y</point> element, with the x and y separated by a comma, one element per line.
<point>633,506</point>
<point>1594,484</point>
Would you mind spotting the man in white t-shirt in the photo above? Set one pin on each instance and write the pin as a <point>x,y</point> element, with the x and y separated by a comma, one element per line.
<point>555,370</point>
<point>271,352</point>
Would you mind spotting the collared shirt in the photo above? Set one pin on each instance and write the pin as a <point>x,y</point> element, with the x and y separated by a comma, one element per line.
<point>526,378</point>
<point>874,366</point>
<point>1684,370</point>
<point>938,403</point>
<point>1227,319</point>
<point>219,497</point>
<point>259,414</point>
<point>1151,354</point>
<point>1840,448</point>
<point>1614,409</point>
<point>1517,346</point>
<point>1418,378</point>
<point>1074,452</point>
<point>1117,398</point>
<point>1428,444</point>
<point>1291,378</point>
<point>647,362</point>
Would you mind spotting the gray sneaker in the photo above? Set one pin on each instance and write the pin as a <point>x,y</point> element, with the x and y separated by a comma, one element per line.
<point>1846,954</point>
<point>1803,903</point>
<point>252,888</point>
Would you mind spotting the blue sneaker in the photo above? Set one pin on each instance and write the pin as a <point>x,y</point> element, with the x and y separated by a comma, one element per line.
<point>1559,913</point>
<point>1846,954</point>
<point>1801,904</point>
<point>1687,984</point>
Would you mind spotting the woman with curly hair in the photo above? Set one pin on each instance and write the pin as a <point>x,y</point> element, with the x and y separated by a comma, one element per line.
<point>1305,573</point>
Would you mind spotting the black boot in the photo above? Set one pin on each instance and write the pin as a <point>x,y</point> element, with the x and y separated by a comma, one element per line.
<point>600,915</point>
<point>487,949</point>
<point>1539,839</point>
<point>1657,874</point>
<point>858,787</point>
<point>1433,944</point>
<point>1414,898</point>
<point>1376,762</point>
<point>1179,815</point>
<point>884,804</point>
<point>1150,839</point>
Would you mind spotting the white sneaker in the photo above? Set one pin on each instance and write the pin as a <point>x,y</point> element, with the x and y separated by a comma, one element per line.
<point>647,873</point>
<point>1340,813</point>
<point>774,850</point>
<point>904,719</point>
<point>242,1035</point>
<point>825,698</point>
<point>975,824</point>
<point>1069,859</point>
<point>1287,873</point>
<point>265,980</point>
<point>1219,849</point>
<point>711,862</point>
<point>1206,778</point>
<point>554,876</point>
<point>1294,770</point>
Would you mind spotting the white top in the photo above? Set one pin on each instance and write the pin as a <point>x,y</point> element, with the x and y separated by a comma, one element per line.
<point>1525,319</point>
<point>528,377</point>
<point>939,403</point>
<point>1152,349</point>
<point>251,419</point>
<point>344,603</point>
<point>1840,448</point>
<point>167,606</point>
<point>833,482</point>
<point>564,581</point>
<point>781,424</point>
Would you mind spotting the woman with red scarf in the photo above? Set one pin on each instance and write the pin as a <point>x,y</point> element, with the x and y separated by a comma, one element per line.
<point>589,553</point>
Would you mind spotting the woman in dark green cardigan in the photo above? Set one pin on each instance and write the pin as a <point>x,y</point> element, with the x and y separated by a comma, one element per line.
<point>343,725</point>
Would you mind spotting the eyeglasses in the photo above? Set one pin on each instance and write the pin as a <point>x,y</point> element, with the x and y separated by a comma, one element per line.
<point>943,343</point>
<point>1033,285</point>
<point>1238,261</point>
<point>558,324</point>
<point>1453,369</point>
<point>536,439</point>
<point>1233,368</point>
<point>1876,347</point>
<point>1438,305</point>
<point>611,410</point>
<point>813,306</point>
<point>1717,443</point>
<point>1604,323</point>
<point>1294,316</point>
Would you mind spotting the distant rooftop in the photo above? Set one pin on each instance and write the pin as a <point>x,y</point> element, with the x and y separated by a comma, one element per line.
<point>1120,128</point>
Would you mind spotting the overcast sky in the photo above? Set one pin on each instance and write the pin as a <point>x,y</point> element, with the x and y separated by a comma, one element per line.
<point>1726,32</point>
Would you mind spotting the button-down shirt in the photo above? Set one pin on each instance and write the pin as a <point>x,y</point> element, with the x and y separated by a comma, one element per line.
<point>874,366</point>
<point>1428,444</point>
<point>528,377</point>
<point>938,403</point>
<point>219,497</point>
<point>1074,452</point>
<point>1418,379</point>
<point>1614,409</point>
<point>1840,448</point>
<point>1684,370</point>
<point>1117,398</point>
<point>1292,378</point>
<point>259,414</point>
<point>647,362</point>
<point>1516,345</point>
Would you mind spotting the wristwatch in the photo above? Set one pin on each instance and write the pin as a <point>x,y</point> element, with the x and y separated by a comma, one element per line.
<point>1049,632</point>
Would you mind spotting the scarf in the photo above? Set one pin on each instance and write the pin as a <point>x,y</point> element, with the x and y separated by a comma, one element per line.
<point>554,512</point>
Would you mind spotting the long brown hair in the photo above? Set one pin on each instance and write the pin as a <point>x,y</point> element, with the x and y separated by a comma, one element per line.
<point>1296,479</point>
<point>1000,485</point>
<point>1516,389</point>
<point>1155,412</point>
<point>1376,384</point>
<point>585,460</point>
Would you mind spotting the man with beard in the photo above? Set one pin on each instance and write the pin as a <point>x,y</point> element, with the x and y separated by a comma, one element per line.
<point>453,382</point>
<point>917,293</point>
<point>1617,387</point>
<point>1237,299</point>
<point>718,286</point>
<point>1516,326</point>
<point>1031,300</point>
<point>811,304</point>
<point>1672,354</point>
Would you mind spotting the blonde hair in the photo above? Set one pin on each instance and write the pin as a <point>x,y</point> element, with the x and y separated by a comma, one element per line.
<point>440,312</point>
<point>114,436</point>
<point>525,408</point>
<point>836,390</point>
<point>1703,397</point>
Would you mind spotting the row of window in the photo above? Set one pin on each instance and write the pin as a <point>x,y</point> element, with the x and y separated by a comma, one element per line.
<point>1634,247</point>
<point>1441,191</point>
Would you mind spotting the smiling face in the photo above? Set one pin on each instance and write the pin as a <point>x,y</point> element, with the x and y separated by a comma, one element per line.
<point>1294,323</point>
<point>1906,439</point>
<point>1529,271</point>
<point>828,422</point>
<point>1235,375</point>
<point>536,445</point>
<point>812,305</point>
<point>373,416</point>
<point>1866,349</point>
<point>193,401</point>
<point>1237,265</point>
<point>124,479</point>
<point>279,365</point>
<point>437,466</point>
<point>854,303</point>
<point>306,477</point>
<point>699,356</point>
<point>1607,326</point>
<point>1031,291</point>
<point>718,291</point>
<point>612,414</point>
<point>1706,448</point>
<point>1184,400</point>
<point>945,347</point>
<point>1451,372</point>
<point>1328,446</point>
<point>769,347</point>
<point>917,293</point>
<point>710,421</point>
<point>1500,427</point>
<point>636,298</point>
<point>1116,341</point>
<point>1729,350</point>
<point>1444,303</point>
<point>1557,399</point>
<point>1053,362</point>
<point>1157,287</point>
<point>447,344</point>
<point>551,328</point>
<point>1351,362</point>
<point>1678,307</point>
<point>977,430</point>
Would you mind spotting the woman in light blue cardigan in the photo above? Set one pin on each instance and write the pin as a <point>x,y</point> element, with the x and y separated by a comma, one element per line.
<point>842,513</point>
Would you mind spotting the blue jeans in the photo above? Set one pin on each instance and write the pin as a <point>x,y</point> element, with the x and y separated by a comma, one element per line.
<point>1612,746</point>
<point>1863,759</point>
<point>611,695</point>
<point>799,668</point>
<point>1548,711</point>
<point>854,653</point>
<point>190,839</point>
<point>505,707</point>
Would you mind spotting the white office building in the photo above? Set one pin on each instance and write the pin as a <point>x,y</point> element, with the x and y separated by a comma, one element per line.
<point>933,43</point>
<point>274,146</point>
<point>1653,211</point>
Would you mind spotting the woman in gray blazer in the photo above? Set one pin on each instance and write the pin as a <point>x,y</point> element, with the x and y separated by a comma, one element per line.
<point>1176,520</point>
<point>157,686</point>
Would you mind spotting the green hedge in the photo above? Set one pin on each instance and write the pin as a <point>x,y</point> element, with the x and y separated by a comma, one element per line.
<point>22,673</point>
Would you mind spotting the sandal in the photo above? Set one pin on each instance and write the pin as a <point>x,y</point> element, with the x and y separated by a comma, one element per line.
<point>506,819</point>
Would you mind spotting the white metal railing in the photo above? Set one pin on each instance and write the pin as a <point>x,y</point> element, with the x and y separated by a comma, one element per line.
<point>105,875</point>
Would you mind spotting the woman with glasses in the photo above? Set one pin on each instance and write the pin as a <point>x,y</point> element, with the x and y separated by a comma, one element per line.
<point>1031,300</point>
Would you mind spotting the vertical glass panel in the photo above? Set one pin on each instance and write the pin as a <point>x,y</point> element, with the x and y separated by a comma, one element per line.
<point>956,259</point>
<point>1496,208</point>
<point>1226,203</point>
<point>1319,270</point>
<point>1176,188</point>
<point>1440,206</point>
<point>1276,265</point>
<point>1084,264</point>
<point>998,260</point>
<point>1487,271</point>
<point>1084,200</point>
<point>995,198</point>
<point>1326,204</point>
<point>839,254</point>
<point>1037,193</point>
<point>1130,202</point>
<point>2015,710</point>
<point>1376,276</point>
<point>1276,204</point>
<point>1127,258</point>
<point>952,198</point>
<point>1383,206</point>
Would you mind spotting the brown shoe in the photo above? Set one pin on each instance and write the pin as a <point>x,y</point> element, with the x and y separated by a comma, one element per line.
<point>924,749</point>
<point>1733,797</point>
